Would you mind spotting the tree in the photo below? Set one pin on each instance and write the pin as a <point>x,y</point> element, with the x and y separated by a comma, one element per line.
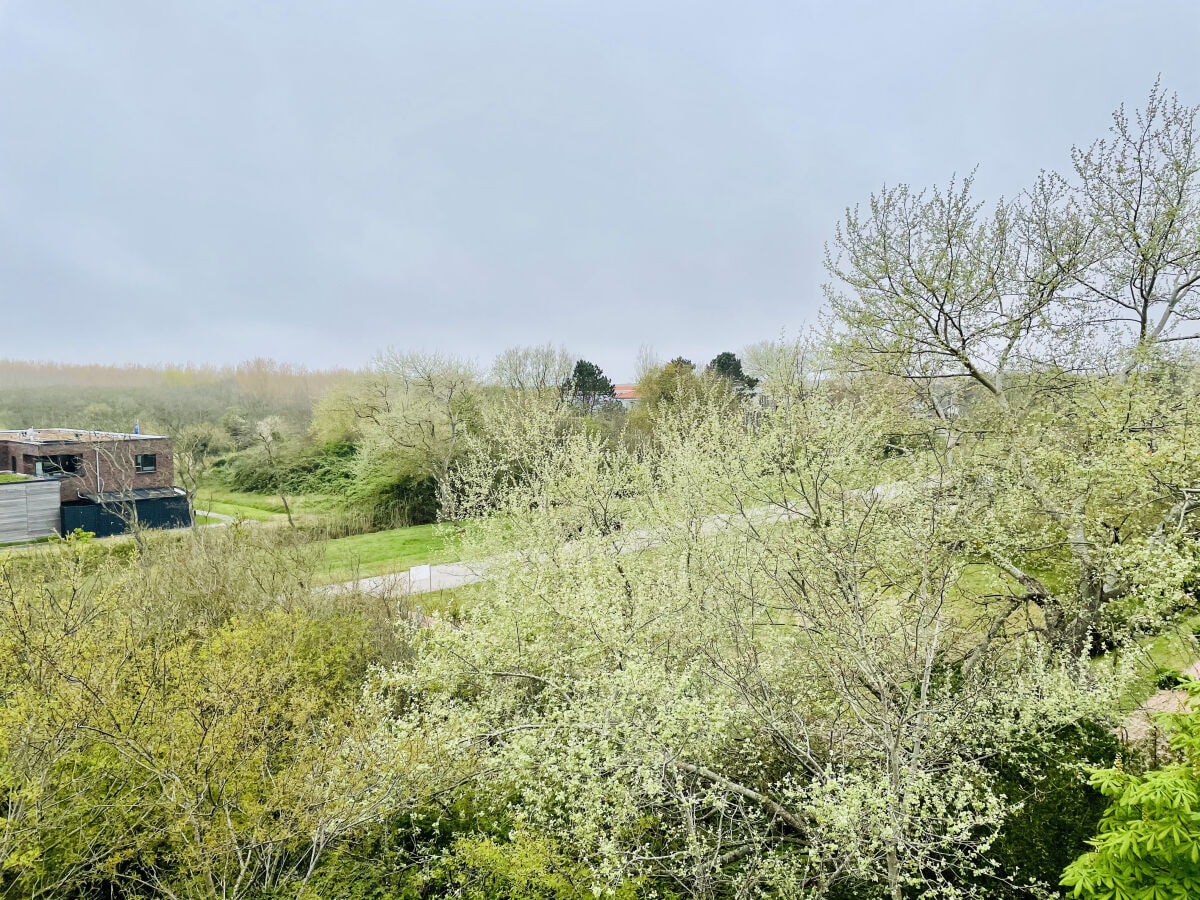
<point>671,383</point>
<point>727,365</point>
<point>1137,192</point>
<point>194,445</point>
<point>1080,274</point>
<point>185,725</point>
<point>770,677</point>
<point>538,369</point>
<point>415,407</point>
<point>269,433</point>
<point>1035,338</point>
<point>588,386</point>
<point>787,364</point>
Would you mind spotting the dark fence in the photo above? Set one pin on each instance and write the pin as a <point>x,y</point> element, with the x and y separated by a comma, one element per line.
<point>161,512</point>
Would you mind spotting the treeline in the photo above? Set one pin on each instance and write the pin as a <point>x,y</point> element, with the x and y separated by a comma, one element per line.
<point>377,443</point>
<point>384,440</point>
<point>163,399</point>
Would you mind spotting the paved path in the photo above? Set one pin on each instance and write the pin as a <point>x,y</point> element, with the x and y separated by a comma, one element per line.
<point>221,518</point>
<point>444,577</point>
<point>452,575</point>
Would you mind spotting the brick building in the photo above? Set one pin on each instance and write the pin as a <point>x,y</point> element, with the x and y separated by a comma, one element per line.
<point>105,479</point>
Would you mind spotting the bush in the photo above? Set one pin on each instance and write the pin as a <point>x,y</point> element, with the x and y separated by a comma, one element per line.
<point>392,500</point>
<point>1169,679</point>
<point>1060,810</point>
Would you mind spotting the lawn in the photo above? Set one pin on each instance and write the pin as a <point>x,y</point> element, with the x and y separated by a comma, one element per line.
<point>394,550</point>
<point>447,604</point>
<point>236,510</point>
<point>9,478</point>
<point>214,496</point>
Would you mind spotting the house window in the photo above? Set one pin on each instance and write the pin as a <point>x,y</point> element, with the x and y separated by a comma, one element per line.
<point>58,465</point>
<point>145,462</point>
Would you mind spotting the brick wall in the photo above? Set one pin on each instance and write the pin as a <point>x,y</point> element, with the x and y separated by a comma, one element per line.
<point>115,459</point>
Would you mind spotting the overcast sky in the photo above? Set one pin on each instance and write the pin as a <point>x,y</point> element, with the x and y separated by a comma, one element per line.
<point>212,181</point>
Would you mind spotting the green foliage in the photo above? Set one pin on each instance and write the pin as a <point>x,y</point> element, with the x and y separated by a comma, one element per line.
<point>588,385</point>
<point>674,383</point>
<point>657,691</point>
<point>1170,679</point>
<point>523,867</point>
<point>1057,810</point>
<point>180,722</point>
<point>727,365</point>
<point>1148,843</point>
<point>391,499</point>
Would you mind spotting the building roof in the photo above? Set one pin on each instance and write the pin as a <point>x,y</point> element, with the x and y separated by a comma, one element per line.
<point>148,493</point>
<point>626,392</point>
<point>71,436</point>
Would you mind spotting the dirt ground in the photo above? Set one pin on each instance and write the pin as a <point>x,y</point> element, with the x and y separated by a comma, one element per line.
<point>1139,725</point>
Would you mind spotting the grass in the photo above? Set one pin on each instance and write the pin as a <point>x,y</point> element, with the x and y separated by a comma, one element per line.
<point>1170,651</point>
<point>447,604</point>
<point>10,478</point>
<point>384,552</point>
<point>236,510</point>
<point>16,545</point>
<point>213,497</point>
<point>201,519</point>
<point>250,506</point>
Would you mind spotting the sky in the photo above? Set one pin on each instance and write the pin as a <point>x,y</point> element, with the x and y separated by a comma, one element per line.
<point>202,181</point>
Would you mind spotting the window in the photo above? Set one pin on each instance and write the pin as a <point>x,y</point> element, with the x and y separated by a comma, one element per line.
<point>145,462</point>
<point>58,465</point>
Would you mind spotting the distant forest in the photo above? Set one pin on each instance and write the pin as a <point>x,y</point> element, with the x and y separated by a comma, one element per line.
<point>162,398</point>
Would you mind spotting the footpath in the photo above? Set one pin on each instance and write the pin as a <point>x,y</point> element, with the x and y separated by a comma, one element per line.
<point>417,580</point>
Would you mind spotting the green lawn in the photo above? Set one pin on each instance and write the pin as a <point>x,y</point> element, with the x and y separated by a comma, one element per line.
<point>16,546</point>
<point>210,496</point>
<point>259,507</point>
<point>236,510</point>
<point>388,551</point>
<point>9,478</point>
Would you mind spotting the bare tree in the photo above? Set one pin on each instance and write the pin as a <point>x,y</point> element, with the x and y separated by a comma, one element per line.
<point>268,433</point>
<point>417,406</point>
<point>1005,322</point>
<point>539,369</point>
<point>1137,193</point>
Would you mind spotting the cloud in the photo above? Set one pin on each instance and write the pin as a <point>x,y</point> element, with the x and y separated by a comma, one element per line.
<point>219,180</point>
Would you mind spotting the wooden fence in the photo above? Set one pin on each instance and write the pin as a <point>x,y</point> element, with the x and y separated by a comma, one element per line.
<point>28,510</point>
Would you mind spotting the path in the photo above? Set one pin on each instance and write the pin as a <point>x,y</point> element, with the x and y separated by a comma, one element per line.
<point>443,577</point>
<point>448,576</point>
<point>1140,723</point>
<point>222,518</point>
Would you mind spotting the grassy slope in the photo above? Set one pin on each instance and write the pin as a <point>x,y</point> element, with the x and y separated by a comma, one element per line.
<point>389,551</point>
<point>256,507</point>
<point>1171,651</point>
